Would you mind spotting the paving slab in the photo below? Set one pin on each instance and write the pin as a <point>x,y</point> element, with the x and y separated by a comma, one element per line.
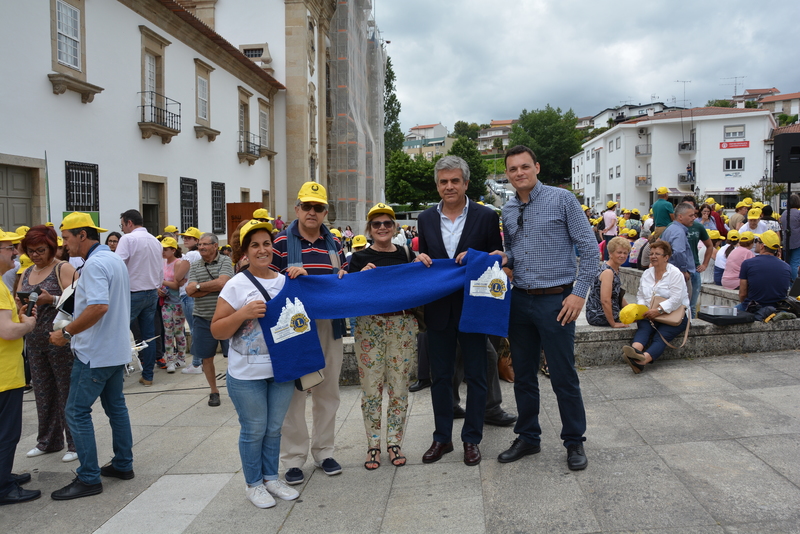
<point>779,452</point>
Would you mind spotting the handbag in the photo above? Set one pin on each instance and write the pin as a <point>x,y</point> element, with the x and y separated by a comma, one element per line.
<point>673,318</point>
<point>304,382</point>
<point>505,369</point>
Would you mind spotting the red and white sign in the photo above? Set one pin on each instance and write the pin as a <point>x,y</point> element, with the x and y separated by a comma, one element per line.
<point>735,144</point>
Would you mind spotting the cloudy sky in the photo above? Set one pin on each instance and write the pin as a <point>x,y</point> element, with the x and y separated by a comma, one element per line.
<point>482,60</point>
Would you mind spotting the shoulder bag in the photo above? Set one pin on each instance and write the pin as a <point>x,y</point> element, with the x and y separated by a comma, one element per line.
<point>304,382</point>
<point>672,318</point>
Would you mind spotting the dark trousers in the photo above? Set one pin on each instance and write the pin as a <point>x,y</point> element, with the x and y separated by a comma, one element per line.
<point>645,333</point>
<point>10,432</point>
<point>494,397</point>
<point>442,347</point>
<point>143,315</point>
<point>423,362</point>
<point>533,327</point>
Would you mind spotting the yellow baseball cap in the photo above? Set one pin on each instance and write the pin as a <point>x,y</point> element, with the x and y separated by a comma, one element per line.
<point>252,225</point>
<point>312,192</point>
<point>262,213</point>
<point>733,235</point>
<point>610,204</point>
<point>336,232</point>
<point>631,313</point>
<point>635,211</point>
<point>625,210</point>
<point>742,204</point>
<point>758,205</point>
<point>359,241</point>
<point>710,200</point>
<point>10,236</point>
<point>48,223</point>
<point>60,241</point>
<point>746,237</point>
<point>22,231</point>
<point>192,232</point>
<point>717,207</point>
<point>662,190</point>
<point>714,234</point>
<point>771,240</point>
<point>632,232</point>
<point>77,219</point>
<point>379,209</point>
<point>24,263</point>
<point>748,201</point>
<point>170,229</point>
<point>584,207</point>
<point>169,242</point>
<point>754,213</point>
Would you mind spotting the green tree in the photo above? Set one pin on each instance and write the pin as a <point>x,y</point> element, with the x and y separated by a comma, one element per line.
<point>392,134</point>
<point>467,150</point>
<point>750,105</point>
<point>552,136</point>
<point>410,181</point>
<point>786,120</point>
<point>496,164</point>
<point>720,103</point>
<point>497,143</point>
<point>463,129</point>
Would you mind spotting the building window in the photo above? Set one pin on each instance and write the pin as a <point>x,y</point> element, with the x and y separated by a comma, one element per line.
<point>618,142</point>
<point>202,98</point>
<point>68,36</point>
<point>611,147</point>
<point>188,203</point>
<point>253,53</point>
<point>82,186</point>
<point>154,102</point>
<point>202,72</point>
<point>733,164</point>
<point>264,126</point>
<point>619,171</point>
<point>217,207</point>
<point>610,174</point>
<point>734,132</point>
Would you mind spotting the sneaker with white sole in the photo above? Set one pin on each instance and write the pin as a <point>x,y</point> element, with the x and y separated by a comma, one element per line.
<point>36,451</point>
<point>69,457</point>
<point>279,489</point>
<point>329,466</point>
<point>192,370</point>
<point>171,367</point>
<point>259,496</point>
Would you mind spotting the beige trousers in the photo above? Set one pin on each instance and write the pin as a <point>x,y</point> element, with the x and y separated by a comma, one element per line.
<point>295,440</point>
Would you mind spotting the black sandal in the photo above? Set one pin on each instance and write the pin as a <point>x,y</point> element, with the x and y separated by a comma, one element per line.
<point>397,456</point>
<point>372,459</point>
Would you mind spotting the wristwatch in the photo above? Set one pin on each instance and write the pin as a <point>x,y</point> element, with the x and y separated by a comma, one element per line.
<point>661,310</point>
<point>66,334</point>
<point>197,286</point>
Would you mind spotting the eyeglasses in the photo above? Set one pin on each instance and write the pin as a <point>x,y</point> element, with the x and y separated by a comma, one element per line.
<point>377,224</point>
<point>206,245</point>
<point>319,208</point>
<point>10,247</point>
<point>521,211</point>
<point>657,255</point>
<point>37,252</point>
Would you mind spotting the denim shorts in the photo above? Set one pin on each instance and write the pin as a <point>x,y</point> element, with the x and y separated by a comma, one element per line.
<point>203,343</point>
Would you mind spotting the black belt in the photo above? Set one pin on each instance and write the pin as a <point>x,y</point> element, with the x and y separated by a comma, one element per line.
<point>392,314</point>
<point>546,290</point>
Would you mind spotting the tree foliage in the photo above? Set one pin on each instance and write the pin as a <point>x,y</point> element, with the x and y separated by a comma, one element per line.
<point>552,136</point>
<point>392,133</point>
<point>786,120</point>
<point>762,191</point>
<point>462,129</point>
<point>719,103</point>
<point>467,150</point>
<point>410,181</point>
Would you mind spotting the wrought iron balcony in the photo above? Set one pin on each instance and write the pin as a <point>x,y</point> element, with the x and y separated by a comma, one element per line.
<point>644,180</point>
<point>160,116</point>
<point>685,148</point>
<point>249,147</point>
<point>686,178</point>
<point>644,150</point>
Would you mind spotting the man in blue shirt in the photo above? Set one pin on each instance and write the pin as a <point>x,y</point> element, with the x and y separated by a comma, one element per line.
<point>543,225</point>
<point>765,279</point>
<point>100,339</point>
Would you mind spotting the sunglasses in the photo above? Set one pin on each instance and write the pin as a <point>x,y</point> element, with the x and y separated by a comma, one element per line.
<point>319,208</point>
<point>377,224</point>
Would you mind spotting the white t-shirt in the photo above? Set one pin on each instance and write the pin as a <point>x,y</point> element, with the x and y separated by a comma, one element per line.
<point>248,356</point>
<point>191,256</point>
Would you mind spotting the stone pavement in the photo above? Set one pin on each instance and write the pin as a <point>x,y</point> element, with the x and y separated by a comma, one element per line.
<point>707,445</point>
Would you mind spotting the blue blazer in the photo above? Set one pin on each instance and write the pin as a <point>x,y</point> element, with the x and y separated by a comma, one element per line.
<point>481,232</point>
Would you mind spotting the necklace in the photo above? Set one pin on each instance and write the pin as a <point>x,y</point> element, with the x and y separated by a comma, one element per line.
<point>37,270</point>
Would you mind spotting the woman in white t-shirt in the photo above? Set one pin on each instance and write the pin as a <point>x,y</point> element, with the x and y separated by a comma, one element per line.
<point>260,402</point>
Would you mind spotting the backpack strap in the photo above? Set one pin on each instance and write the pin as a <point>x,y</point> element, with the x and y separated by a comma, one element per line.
<point>252,278</point>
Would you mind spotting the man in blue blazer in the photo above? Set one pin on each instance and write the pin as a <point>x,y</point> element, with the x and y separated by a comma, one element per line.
<point>447,231</point>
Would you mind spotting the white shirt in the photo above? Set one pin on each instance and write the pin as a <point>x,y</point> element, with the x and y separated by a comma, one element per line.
<point>190,257</point>
<point>721,258</point>
<point>142,254</point>
<point>672,287</point>
<point>451,230</point>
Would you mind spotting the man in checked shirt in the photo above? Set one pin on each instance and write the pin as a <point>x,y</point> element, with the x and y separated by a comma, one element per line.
<point>543,225</point>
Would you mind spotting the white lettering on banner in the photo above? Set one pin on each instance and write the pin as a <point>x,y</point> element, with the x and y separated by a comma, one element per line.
<point>493,283</point>
<point>293,321</point>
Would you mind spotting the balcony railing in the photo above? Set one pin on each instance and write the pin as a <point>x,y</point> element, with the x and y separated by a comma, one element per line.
<point>684,148</point>
<point>686,178</point>
<point>160,116</point>
<point>644,180</point>
<point>644,150</point>
<point>249,147</point>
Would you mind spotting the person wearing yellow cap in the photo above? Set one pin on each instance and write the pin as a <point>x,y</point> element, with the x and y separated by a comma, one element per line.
<point>259,399</point>
<point>733,265</point>
<point>705,217</point>
<point>721,258</point>
<point>171,310</point>
<point>663,213</point>
<point>191,238</point>
<point>790,222</point>
<point>50,365</point>
<point>12,380</point>
<point>307,242</point>
<point>99,336</point>
<point>262,215</point>
<point>765,279</point>
<point>634,221</point>
<point>739,216</point>
<point>279,223</point>
<point>754,223</point>
<point>608,226</point>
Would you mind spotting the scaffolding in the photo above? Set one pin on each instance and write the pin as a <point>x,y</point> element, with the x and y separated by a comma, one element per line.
<point>355,79</point>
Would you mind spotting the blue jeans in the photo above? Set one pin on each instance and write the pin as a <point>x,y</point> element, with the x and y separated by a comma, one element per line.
<point>442,351</point>
<point>261,405</point>
<point>187,303</point>
<point>86,384</point>
<point>143,313</point>
<point>645,332</point>
<point>533,327</point>
<point>794,261</point>
<point>718,272</point>
<point>203,343</point>
<point>697,284</point>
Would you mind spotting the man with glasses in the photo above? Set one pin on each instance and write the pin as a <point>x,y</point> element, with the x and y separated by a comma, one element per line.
<point>207,277</point>
<point>677,235</point>
<point>447,231</point>
<point>142,254</point>
<point>308,243</point>
<point>543,225</point>
<point>765,279</point>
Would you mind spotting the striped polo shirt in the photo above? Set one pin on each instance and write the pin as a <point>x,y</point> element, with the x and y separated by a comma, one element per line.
<point>200,272</point>
<point>316,259</point>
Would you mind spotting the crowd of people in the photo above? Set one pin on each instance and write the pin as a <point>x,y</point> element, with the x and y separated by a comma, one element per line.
<point>557,259</point>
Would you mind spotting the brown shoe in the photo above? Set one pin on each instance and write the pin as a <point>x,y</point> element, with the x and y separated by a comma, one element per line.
<point>145,383</point>
<point>436,451</point>
<point>472,454</point>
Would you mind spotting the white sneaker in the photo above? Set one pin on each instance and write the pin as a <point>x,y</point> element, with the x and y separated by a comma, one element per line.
<point>278,488</point>
<point>171,367</point>
<point>192,370</point>
<point>259,496</point>
<point>69,457</point>
<point>36,451</point>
